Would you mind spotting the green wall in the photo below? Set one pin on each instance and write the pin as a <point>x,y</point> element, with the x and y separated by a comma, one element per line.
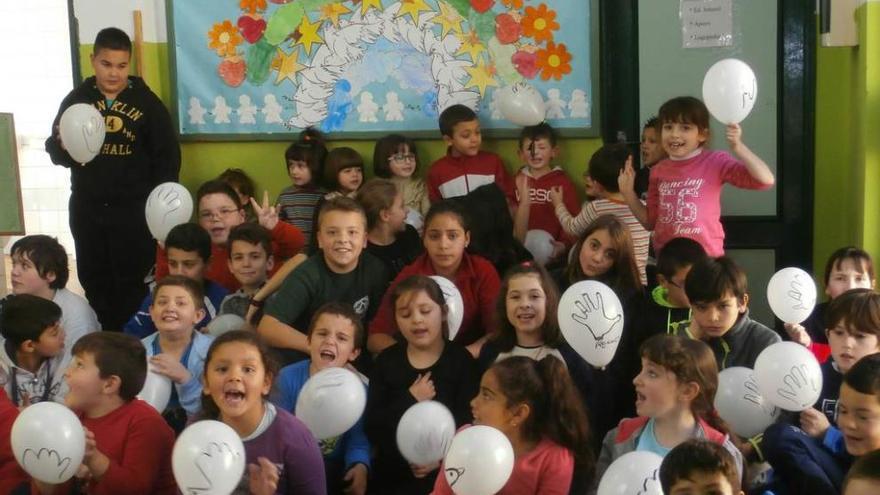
<point>847,189</point>
<point>264,160</point>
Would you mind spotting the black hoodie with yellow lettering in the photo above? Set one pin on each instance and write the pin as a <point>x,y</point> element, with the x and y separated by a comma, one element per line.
<point>140,149</point>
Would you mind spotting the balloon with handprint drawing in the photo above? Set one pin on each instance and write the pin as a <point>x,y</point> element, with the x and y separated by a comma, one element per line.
<point>789,376</point>
<point>424,432</point>
<point>740,404</point>
<point>791,293</point>
<point>331,402</point>
<point>591,319</point>
<point>82,130</point>
<point>48,441</point>
<point>208,459</point>
<point>168,205</point>
<point>634,473</point>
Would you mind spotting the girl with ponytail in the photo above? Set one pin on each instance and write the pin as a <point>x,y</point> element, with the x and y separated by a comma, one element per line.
<point>675,391</point>
<point>536,405</point>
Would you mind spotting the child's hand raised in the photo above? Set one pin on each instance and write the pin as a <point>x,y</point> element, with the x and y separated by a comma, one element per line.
<point>267,214</point>
<point>556,196</point>
<point>167,365</point>
<point>798,334</point>
<point>356,480</point>
<point>423,388</point>
<point>263,477</point>
<point>522,189</point>
<point>626,180</point>
<point>734,136</point>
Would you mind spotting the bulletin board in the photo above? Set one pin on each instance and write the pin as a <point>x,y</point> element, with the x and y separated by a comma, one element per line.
<point>11,216</point>
<point>369,67</point>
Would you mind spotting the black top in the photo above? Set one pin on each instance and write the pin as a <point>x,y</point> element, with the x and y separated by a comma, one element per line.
<point>403,251</point>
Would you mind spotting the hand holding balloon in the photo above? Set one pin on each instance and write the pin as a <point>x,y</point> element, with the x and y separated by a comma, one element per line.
<point>166,365</point>
<point>733,133</point>
<point>798,333</point>
<point>814,423</point>
<point>93,459</point>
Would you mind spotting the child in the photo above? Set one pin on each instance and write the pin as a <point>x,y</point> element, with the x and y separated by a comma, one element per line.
<point>847,268</point>
<point>108,196</point>
<point>446,239</point>
<point>537,149</point>
<point>344,172</point>
<point>389,237</point>
<point>465,167</point>
<point>684,193</point>
<point>176,350</point>
<point>423,366</point>
<point>864,477</point>
<point>339,272</point>
<point>605,166</point>
<point>674,394</point>
<point>244,187</point>
<point>12,476</point>
<point>718,292</point>
<point>39,268</point>
<point>250,261</point>
<point>395,158</point>
<point>128,445</point>
<point>32,352</point>
<point>652,152</point>
<point>218,211</point>
<point>858,408</point>
<point>668,307</point>
<point>282,455</point>
<point>536,406</point>
<point>304,160</point>
<point>699,467</point>
<point>335,340</point>
<point>188,249</point>
<point>799,460</point>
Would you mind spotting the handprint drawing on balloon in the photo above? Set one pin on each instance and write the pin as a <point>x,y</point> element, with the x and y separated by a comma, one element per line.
<point>49,459</point>
<point>214,459</point>
<point>593,315</point>
<point>754,396</point>
<point>797,380</point>
<point>796,293</point>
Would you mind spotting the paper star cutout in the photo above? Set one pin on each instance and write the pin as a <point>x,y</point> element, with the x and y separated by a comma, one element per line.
<point>287,65</point>
<point>471,45</point>
<point>308,34</point>
<point>482,76</point>
<point>449,20</point>
<point>332,11</point>
<point>367,4</point>
<point>412,8</point>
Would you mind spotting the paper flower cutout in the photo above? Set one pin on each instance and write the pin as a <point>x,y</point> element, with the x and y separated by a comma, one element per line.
<point>223,38</point>
<point>539,23</point>
<point>554,61</point>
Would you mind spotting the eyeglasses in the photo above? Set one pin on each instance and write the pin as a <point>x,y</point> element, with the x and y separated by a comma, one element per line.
<point>400,157</point>
<point>221,214</point>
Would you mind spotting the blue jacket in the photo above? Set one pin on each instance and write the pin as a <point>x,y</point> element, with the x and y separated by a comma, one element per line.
<point>190,393</point>
<point>141,324</point>
<point>352,447</point>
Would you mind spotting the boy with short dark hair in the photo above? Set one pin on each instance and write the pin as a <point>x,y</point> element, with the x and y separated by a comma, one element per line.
<point>718,292</point>
<point>188,249</point>
<point>465,166</point>
<point>39,268</point>
<point>250,260</point>
<point>669,307</point>
<point>128,445</point>
<point>651,151</point>
<point>32,352</point>
<point>108,195</point>
<point>340,271</point>
<point>699,467</point>
<point>864,476</point>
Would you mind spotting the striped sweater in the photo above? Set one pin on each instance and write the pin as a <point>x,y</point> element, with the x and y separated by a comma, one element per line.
<point>297,207</point>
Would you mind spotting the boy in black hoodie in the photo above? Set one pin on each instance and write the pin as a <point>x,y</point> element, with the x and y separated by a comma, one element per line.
<point>114,247</point>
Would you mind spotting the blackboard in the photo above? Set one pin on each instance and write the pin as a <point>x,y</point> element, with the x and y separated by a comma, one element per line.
<point>11,215</point>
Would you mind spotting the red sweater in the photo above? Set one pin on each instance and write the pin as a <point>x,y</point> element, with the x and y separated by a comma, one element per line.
<point>287,241</point>
<point>542,215</point>
<point>477,282</point>
<point>454,176</point>
<point>11,474</point>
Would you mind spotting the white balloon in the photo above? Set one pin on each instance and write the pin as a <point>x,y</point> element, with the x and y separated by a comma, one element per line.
<point>540,244</point>
<point>789,376</point>
<point>730,90</point>
<point>225,323</point>
<point>424,432</point>
<point>48,442</point>
<point>791,293</point>
<point>156,391</point>
<point>454,304</point>
<point>521,104</point>
<point>331,402</point>
<point>740,404</point>
<point>208,458</point>
<point>636,472</point>
<point>168,205</point>
<point>479,461</point>
<point>591,319</point>
<point>82,132</point>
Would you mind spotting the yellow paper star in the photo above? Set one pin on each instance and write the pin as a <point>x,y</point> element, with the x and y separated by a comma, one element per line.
<point>366,4</point>
<point>332,11</point>
<point>449,20</point>
<point>308,34</point>
<point>287,65</point>
<point>481,77</point>
<point>471,45</point>
<point>413,8</point>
